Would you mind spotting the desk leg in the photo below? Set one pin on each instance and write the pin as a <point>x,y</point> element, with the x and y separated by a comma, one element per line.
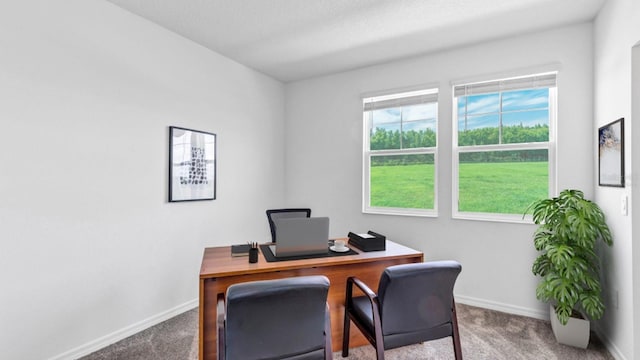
<point>201,317</point>
<point>209,289</point>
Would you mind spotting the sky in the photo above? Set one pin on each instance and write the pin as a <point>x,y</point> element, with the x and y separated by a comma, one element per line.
<point>416,117</point>
<point>526,107</point>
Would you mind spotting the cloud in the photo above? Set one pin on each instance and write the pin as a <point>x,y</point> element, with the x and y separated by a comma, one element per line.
<point>479,104</point>
<point>526,107</point>
<point>416,117</point>
<point>525,99</point>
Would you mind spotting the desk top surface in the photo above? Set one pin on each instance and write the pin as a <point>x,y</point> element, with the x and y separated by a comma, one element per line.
<point>218,262</point>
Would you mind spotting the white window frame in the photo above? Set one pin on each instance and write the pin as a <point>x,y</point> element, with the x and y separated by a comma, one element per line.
<point>550,146</point>
<point>368,153</point>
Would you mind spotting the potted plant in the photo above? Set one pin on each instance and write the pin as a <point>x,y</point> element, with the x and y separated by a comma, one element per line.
<point>569,229</point>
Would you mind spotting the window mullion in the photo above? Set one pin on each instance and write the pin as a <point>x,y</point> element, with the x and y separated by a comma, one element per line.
<point>401,127</point>
<point>500,118</point>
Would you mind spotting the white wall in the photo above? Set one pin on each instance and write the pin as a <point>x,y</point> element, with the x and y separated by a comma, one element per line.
<point>89,245</point>
<point>324,137</point>
<point>635,197</point>
<point>616,30</point>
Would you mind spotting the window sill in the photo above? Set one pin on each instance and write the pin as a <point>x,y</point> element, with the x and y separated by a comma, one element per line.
<point>505,218</point>
<point>401,212</point>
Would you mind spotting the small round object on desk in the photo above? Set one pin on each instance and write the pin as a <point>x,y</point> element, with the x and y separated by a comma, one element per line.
<point>336,249</point>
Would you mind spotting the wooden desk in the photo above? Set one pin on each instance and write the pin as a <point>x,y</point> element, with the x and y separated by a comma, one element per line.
<point>219,270</point>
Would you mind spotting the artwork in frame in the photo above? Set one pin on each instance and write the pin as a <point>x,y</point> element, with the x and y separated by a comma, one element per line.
<point>192,165</point>
<point>611,154</point>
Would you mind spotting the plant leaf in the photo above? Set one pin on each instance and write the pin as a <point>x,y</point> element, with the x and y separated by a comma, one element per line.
<point>559,254</point>
<point>592,304</point>
<point>541,266</point>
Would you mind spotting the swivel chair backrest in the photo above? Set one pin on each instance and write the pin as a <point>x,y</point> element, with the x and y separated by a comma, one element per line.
<point>284,213</point>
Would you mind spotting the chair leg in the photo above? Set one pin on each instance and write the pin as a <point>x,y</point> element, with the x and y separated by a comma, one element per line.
<point>457,348</point>
<point>328,348</point>
<point>377,331</point>
<point>379,350</point>
<point>345,334</point>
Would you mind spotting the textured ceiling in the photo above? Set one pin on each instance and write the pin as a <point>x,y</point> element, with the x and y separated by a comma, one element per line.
<point>297,39</point>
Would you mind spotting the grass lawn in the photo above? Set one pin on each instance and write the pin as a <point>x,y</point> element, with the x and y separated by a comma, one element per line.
<point>402,186</point>
<point>506,188</point>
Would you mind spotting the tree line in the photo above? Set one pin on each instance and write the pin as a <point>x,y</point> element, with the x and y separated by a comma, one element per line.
<point>382,139</point>
<point>510,135</point>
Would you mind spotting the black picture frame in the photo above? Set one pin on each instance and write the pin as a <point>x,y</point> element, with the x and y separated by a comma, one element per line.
<point>611,154</point>
<point>192,165</point>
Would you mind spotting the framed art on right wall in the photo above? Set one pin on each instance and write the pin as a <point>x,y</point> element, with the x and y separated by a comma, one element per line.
<point>611,154</point>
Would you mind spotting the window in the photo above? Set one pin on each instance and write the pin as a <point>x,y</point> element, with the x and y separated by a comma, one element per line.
<point>400,153</point>
<point>503,148</point>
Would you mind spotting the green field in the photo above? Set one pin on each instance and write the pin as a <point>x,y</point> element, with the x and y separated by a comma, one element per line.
<point>506,188</point>
<point>402,186</point>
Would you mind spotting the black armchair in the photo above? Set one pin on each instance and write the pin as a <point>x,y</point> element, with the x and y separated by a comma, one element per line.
<point>275,319</point>
<point>414,304</point>
<point>284,213</point>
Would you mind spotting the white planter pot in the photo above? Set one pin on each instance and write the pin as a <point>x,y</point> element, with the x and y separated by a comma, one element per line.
<point>575,333</point>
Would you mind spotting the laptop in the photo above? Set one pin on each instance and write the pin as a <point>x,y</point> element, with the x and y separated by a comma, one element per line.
<point>301,236</point>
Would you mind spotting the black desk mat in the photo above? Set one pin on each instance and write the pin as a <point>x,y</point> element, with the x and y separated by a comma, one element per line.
<point>268,255</point>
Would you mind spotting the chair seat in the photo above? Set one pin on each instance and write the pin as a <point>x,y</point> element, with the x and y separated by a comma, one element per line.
<point>392,341</point>
<point>362,311</point>
<point>314,355</point>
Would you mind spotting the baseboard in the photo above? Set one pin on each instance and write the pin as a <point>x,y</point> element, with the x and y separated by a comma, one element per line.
<point>123,333</point>
<point>613,350</point>
<point>502,307</point>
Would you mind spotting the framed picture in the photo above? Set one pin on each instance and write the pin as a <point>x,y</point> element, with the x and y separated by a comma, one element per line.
<point>192,165</point>
<point>611,154</point>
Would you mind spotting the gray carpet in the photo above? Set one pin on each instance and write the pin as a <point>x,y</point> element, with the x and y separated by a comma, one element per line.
<point>485,334</point>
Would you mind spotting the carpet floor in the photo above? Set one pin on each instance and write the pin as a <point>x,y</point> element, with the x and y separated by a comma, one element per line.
<point>484,334</point>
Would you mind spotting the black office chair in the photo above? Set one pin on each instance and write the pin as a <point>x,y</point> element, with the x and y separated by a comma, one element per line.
<point>414,304</point>
<point>275,319</point>
<point>284,213</point>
